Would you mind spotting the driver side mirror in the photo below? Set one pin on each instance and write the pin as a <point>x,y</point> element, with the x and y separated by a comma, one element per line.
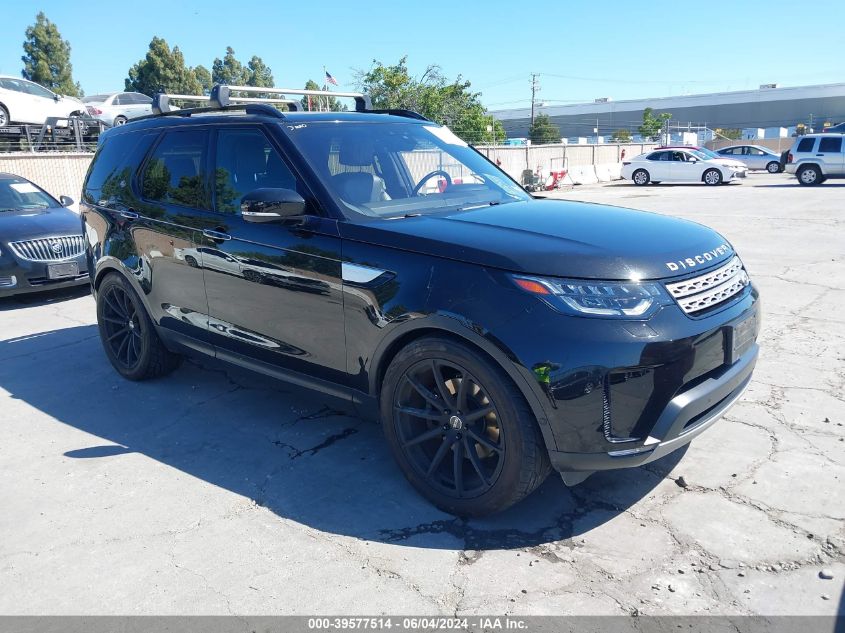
<point>271,205</point>
<point>66,201</point>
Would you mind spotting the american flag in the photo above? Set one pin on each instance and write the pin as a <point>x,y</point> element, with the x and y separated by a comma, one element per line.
<point>330,79</point>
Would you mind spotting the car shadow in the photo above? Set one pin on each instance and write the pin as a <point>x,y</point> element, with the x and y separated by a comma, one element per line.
<point>302,457</point>
<point>43,297</point>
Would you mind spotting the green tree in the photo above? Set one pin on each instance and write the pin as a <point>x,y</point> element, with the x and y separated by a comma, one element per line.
<point>431,94</point>
<point>46,59</point>
<point>163,70</point>
<point>229,70</point>
<point>543,131</point>
<point>203,76</point>
<point>729,132</point>
<point>653,125</point>
<point>621,135</point>
<point>260,74</point>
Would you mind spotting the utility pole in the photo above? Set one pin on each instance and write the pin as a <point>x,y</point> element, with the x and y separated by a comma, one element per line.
<point>535,87</point>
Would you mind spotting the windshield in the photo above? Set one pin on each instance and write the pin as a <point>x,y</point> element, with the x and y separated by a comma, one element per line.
<point>399,169</point>
<point>20,194</point>
<point>708,153</point>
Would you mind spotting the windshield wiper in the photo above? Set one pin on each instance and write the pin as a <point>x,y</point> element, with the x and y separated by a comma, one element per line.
<point>479,205</point>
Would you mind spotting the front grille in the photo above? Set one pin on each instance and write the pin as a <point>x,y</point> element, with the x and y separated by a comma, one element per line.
<point>49,249</point>
<point>710,289</point>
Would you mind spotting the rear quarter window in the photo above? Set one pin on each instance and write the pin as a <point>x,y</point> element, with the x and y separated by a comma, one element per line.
<point>110,174</point>
<point>806,145</point>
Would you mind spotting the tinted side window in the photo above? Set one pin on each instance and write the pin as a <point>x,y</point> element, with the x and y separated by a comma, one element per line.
<point>830,145</point>
<point>110,174</point>
<point>806,145</point>
<point>246,161</point>
<point>176,170</point>
<point>658,156</point>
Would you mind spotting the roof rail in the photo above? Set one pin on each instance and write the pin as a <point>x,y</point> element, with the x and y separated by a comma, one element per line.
<point>221,97</point>
<point>222,93</point>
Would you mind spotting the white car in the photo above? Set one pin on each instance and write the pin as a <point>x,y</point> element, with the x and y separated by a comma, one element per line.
<point>680,165</point>
<point>118,107</point>
<point>23,101</point>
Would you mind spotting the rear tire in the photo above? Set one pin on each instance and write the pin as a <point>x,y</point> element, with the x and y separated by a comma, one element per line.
<point>712,177</point>
<point>810,175</point>
<point>459,429</point>
<point>129,339</point>
<point>773,167</point>
<point>640,177</point>
<point>119,120</point>
<point>4,116</point>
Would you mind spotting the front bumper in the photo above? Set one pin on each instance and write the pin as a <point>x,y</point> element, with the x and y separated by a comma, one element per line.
<point>687,415</point>
<point>22,276</point>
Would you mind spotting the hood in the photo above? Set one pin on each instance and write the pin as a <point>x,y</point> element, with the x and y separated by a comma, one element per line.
<point>556,238</point>
<point>25,224</point>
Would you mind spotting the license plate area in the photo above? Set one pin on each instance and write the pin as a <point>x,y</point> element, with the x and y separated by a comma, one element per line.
<point>741,335</point>
<point>62,271</point>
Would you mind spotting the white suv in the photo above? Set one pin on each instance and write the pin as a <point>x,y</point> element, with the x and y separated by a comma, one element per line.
<point>816,157</point>
<point>23,101</point>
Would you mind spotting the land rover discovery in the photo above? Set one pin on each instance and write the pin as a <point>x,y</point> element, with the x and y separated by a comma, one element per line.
<point>375,256</point>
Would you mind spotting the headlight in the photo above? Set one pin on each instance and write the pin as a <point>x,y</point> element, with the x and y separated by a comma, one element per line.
<point>609,299</point>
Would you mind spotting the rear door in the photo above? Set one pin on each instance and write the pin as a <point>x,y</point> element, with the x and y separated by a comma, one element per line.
<point>658,166</point>
<point>274,290</point>
<point>831,156</point>
<point>175,198</point>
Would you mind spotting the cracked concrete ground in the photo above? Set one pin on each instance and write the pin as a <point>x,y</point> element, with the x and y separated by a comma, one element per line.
<point>217,492</point>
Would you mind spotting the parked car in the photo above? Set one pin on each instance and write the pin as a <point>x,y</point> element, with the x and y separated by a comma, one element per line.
<point>27,102</point>
<point>41,244</point>
<point>118,107</point>
<point>816,157</point>
<point>497,336</point>
<point>724,160</point>
<point>679,165</point>
<point>754,157</point>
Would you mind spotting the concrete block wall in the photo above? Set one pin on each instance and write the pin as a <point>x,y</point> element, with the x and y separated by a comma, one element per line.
<point>60,174</point>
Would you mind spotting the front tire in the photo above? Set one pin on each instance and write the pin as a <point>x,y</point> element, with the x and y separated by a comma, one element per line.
<point>129,339</point>
<point>773,167</point>
<point>640,177</point>
<point>712,177</point>
<point>4,116</point>
<point>810,175</point>
<point>459,429</point>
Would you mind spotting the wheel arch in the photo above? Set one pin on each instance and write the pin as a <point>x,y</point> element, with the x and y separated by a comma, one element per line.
<point>451,327</point>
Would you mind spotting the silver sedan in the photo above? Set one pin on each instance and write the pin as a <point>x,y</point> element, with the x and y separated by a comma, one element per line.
<point>118,107</point>
<point>754,156</point>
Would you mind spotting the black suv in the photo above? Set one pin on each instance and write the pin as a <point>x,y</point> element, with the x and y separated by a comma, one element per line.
<point>374,256</point>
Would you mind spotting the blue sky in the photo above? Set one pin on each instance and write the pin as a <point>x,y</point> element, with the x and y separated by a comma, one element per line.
<point>582,50</point>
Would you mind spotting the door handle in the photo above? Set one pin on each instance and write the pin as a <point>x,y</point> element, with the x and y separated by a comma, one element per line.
<point>819,154</point>
<point>216,236</point>
<point>129,215</point>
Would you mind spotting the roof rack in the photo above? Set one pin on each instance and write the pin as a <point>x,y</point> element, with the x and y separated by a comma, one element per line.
<point>221,97</point>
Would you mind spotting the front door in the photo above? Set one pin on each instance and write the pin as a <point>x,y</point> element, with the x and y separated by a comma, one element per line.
<point>274,290</point>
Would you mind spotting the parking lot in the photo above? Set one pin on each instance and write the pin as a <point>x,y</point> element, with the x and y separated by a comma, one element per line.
<point>219,492</point>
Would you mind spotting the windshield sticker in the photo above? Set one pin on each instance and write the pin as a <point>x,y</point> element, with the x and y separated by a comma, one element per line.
<point>446,135</point>
<point>24,187</point>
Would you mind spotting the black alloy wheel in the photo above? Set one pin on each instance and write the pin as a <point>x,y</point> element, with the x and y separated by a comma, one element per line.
<point>130,341</point>
<point>449,428</point>
<point>121,326</point>
<point>459,428</point>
